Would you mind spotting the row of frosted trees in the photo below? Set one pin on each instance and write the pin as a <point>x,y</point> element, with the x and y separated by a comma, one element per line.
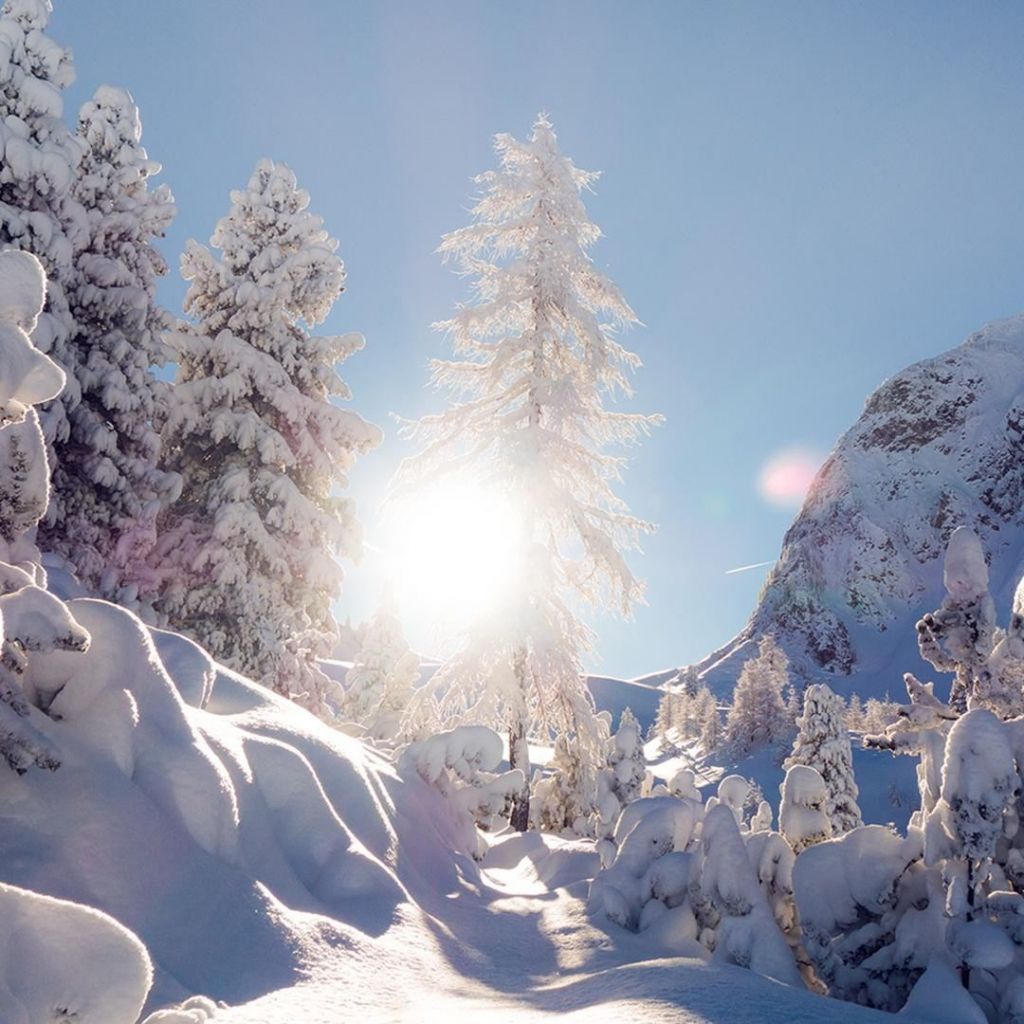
<point>211,502</point>
<point>918,921</point>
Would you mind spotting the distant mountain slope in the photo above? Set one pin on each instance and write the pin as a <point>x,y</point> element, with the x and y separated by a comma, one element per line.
<point>938,445</point>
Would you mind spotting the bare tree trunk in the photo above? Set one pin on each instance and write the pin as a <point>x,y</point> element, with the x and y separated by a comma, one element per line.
<point>965,970</point>
<point>519,750</point>
<point>519,757</point>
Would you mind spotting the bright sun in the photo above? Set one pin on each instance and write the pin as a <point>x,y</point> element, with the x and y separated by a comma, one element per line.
<point>451,555</point>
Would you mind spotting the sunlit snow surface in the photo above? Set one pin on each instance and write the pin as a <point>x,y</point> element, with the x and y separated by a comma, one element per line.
<point>288,870</point>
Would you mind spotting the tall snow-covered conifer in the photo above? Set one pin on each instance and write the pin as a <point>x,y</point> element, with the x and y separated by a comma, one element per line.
<point>536,356</point>
<point>37,211</point>
<point>107,487</point>
<point>247,547</point>
<point>823,743</point>
<point>758,716</point>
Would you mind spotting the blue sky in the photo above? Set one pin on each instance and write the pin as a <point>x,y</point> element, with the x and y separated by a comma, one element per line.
<point>798,200</point>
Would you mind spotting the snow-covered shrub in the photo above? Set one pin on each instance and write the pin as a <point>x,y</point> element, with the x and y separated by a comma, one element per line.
<point>247,551</point>
<point>823,743</point>
<point>868,918</point>
<point>758,715</point>
<point>196,1010</point>
<point>803,814</point>
<point>648,831</point>
<point>379,685</point>
<point>460,764</point>
<point>731,908</point>
<point>689,881</point>
<point>107,487</point>
<point>537,359</point>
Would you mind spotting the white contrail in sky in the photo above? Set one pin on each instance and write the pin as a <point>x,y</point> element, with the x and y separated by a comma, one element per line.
<point>744,568</point>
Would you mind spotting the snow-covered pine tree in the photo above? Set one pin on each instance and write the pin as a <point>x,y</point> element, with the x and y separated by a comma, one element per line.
<point>565,800</point>
<point>758,715</point>
<point>37,211</point>
<point>854,714</point>
<point>107,487</point>
<point>823,743</point>
<point>626,759</point>
<point>535,358</point>
<point>379,685</point>
<point>958,636</point>
<point>709,721</point>
<point>663,719</point>
<point>246,551</point>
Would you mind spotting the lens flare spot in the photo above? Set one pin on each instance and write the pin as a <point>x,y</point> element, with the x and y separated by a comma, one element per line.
<point>787,476</point>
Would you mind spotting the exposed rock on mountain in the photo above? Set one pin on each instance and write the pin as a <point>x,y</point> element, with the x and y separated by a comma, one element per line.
<point>939,445</point>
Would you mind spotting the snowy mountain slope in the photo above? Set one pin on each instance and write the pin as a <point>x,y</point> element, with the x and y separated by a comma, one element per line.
<point>938,445</point>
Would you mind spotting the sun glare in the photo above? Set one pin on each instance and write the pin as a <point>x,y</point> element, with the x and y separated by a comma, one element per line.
<point>452,555</point>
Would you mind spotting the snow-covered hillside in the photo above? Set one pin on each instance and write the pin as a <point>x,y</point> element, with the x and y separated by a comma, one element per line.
<point>937,446</point>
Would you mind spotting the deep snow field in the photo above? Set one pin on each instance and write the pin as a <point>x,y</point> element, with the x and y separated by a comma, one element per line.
<point>287,871</point>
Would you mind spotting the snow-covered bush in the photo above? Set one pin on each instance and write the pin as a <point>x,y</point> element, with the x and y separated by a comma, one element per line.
<point>379,685</point>
<point>654,840</point>
<point>803,814</point>
<point>247,551</point>
<point>868,921</point>
<point>731,908</point>
<point>692,873</point>
<point>758,717</point>
<point>823,743</point>
<point>107,486</point>
<point>460,764</point>
<point>536,361</point>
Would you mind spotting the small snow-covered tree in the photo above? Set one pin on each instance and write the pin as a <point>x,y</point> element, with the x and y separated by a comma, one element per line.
<point>536,357</point>
<point>31,619</point>
<point>758,715</point>
<point>823,743</point>
<point>853,717</point>
<point>107,487</point>
<point>379,685</point>
<point>1000,684</point>
<point>246,551</point>
<point>958,636</point>
<point>663,718</point>
<point>626,759</point>
<point>709,722</point>
<point>566,799</point>
<point>966,827</point>
<point>37,211</point>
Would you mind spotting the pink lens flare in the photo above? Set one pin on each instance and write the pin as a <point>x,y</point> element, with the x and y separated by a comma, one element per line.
<point>787,476</point>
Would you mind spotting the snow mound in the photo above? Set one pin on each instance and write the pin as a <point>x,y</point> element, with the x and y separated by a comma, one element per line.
<point>65,962</point>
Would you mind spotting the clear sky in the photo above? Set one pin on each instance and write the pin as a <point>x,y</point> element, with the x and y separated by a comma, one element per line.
<point>798,199</point>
